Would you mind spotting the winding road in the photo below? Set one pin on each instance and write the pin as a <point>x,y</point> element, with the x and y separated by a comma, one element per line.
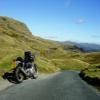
<point>62,86</point>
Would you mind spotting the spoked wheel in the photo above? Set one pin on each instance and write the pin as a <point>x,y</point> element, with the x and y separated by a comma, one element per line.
<point>19,75</point>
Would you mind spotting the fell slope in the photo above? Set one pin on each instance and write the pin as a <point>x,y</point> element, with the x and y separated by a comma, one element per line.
<point>93,70</point>
<point>15,38</point>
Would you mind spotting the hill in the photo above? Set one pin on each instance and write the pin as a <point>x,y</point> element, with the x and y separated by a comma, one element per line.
<point>15,38</point>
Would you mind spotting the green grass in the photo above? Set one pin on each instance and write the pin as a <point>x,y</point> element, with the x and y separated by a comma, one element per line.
<point>46,66</point>
<point>69,64</point>
<point>93,71</point>
<point>92,58</point>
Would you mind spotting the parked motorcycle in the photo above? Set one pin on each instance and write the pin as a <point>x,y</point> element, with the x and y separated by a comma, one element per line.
<point>23,71</point>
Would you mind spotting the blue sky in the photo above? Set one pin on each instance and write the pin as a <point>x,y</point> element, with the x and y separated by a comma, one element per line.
<point>62,20</point>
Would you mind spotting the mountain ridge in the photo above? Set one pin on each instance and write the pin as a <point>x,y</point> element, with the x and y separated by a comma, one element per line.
<point>87,47</point>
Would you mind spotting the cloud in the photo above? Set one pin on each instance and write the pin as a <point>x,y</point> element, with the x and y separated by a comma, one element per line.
<point>80,21</point>
<point>51,37</point>
<point>68,3</point>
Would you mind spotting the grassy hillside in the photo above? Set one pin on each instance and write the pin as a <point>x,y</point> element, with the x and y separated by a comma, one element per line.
<point>93,70</point>
<point>92,58</point>
<point>15,38</point>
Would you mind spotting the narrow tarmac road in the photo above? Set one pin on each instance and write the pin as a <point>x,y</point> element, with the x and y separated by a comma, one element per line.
<point>62,86</point>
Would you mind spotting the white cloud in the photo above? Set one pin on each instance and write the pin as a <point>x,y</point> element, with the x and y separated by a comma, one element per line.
<point>51,37</point>
<point>80,21</point>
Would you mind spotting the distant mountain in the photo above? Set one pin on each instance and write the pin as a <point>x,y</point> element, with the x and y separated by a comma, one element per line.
<point>87,47</point>
<point>71,46</point>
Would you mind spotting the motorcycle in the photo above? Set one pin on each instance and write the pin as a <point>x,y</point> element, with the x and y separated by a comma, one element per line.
<point>21,72</point>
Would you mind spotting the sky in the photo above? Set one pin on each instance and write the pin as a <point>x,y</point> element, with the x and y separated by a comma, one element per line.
<point>60,20</point>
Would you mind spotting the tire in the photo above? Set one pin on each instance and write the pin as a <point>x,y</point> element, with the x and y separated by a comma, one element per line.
<point>19,76</point>
<point>35,72</point>
<point>35,66</point>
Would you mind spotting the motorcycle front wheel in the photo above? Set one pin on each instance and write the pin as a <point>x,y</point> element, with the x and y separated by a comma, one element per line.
<point>35,72</point>
<point>19,76</point>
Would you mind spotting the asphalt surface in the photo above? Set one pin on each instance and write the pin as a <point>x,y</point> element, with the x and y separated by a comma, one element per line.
<point>63,86</point>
